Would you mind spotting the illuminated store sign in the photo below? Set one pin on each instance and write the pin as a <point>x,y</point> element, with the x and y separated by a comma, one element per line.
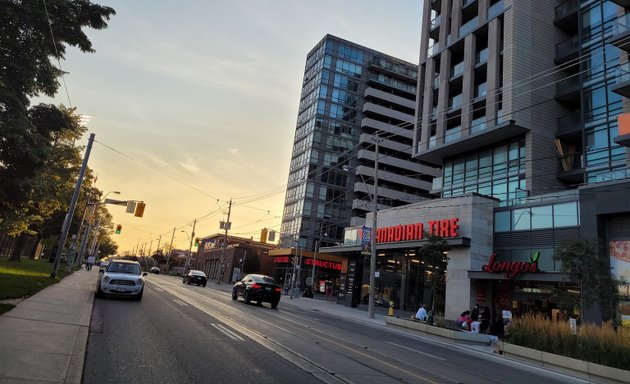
<point>408,232</point>
<point>511,269</point>
<point>318,263</point>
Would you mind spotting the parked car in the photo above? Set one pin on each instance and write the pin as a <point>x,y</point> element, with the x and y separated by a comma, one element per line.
<point>259,288</point>
<point>155,270</point>
<point>121,278</point>
<point>195,277</point>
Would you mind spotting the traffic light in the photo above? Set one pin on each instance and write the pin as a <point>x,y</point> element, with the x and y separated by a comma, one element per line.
<point>196,241</point>
<point>118,229</point>
<point>139,209</point>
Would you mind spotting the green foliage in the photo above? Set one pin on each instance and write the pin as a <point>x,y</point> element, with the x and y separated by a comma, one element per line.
<point>580,259</point>
<point>433,255</point>
<point>38,159</point>
<point>597,344</point>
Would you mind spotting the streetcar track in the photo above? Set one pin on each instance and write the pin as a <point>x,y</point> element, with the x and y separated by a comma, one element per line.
<point>261,339</point>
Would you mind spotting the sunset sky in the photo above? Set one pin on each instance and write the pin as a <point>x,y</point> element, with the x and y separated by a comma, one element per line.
<point>195,102</point>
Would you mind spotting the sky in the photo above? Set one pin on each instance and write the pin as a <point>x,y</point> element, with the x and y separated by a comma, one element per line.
<point>194,103</point>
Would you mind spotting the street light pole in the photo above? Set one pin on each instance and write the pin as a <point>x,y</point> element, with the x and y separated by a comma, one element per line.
<point>192,236</point>
<point>225,237</point>
<point>372,290</point>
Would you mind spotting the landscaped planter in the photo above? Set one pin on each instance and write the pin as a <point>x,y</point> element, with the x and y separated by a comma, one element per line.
<point>547,358</point>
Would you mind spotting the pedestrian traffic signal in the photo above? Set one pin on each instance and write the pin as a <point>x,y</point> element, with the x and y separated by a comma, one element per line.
<point>139,209</point>
<point>118,229</point>
<point>196,241</point>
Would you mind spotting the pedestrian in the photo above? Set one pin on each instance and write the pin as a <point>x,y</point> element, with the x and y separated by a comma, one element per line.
<point>422,313</point>
<point>328,291</point>
<point>474,314</point>
<point>90,262</point>
<point>484,318</point>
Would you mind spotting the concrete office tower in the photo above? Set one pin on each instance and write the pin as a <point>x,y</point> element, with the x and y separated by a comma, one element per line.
<point>350,93</point>
<point>516,96</point>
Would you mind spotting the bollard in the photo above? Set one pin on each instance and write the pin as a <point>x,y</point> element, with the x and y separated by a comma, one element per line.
<point>391,309</point>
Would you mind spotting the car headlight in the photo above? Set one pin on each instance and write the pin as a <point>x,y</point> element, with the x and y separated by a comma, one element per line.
<point>139,281</point>
<point>107,279</point>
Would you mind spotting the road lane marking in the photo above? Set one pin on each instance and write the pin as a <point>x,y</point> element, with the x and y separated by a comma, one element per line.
<point>227,332</point>
<point>416,351</point>
<point>180,302</point>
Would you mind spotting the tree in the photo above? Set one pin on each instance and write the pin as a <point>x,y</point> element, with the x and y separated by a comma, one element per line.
<point>579,258</point>
<point>37,153</point>
<point>434,256</point>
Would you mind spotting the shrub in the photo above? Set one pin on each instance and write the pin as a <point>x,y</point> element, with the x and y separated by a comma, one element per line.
<point>597,344</point>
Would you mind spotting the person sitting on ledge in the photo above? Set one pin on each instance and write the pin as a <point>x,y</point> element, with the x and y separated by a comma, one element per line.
<point>422,313</point>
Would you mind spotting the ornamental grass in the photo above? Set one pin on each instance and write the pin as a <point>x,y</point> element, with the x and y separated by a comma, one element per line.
<point>599,344</point>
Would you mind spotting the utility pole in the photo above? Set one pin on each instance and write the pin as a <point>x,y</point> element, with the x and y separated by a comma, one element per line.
<point>192,236</point>
<point>65,228</point>
<point>170,251</point>
<point>158,246</point>
<point>317,245</point>
<point>372,290</point>
<point>225,238</point>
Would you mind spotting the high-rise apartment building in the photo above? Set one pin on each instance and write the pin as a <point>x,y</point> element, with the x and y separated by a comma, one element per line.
<point>350,96</point>
<point>520,102</point>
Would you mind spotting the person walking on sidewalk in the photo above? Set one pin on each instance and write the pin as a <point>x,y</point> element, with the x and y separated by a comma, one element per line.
<point>90,262</point>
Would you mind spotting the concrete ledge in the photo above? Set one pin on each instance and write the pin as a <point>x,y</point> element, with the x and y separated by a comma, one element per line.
<point>443,332</point>
<point>546,358</point>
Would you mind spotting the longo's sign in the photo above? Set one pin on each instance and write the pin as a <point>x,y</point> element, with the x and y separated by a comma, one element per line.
<point>407,232</point>
<point>511,269</point>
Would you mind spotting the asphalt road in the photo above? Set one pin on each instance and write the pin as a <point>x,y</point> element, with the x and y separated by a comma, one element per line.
<point>188,334</point>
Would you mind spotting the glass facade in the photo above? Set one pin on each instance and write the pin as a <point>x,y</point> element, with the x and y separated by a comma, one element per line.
<point>497,171</point>
<point>604,160</point>
<point>320,191</point>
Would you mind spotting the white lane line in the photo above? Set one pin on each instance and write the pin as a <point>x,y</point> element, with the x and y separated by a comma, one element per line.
<point>180,303</point>
<point>416,351</point>
<point>158,289</point>
<point>227,332</point>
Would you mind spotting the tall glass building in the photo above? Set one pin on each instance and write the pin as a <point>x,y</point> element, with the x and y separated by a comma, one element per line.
<point>350,95</point>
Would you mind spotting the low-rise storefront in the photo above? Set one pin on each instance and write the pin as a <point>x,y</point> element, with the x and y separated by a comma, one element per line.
<point>288,262</point>
<point>466,223</point>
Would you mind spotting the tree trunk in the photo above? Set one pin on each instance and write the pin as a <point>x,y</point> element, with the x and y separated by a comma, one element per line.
<point>17,248</point>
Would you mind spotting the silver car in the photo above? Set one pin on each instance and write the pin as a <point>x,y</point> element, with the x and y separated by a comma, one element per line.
<point>121,278</point>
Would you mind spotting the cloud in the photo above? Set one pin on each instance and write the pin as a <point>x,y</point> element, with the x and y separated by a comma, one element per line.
<point>233,151</point>
<point>190,165</point>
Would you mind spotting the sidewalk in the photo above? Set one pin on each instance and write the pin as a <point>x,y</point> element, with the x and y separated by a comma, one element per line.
<point>44,337</point>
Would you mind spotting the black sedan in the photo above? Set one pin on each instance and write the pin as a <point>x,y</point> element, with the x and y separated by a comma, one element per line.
<point>195,277</point>
<point>259,288</point>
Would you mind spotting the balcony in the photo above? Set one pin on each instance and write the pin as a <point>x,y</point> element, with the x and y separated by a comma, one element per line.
<point>566,16</point>
<point>495,10</point>
<point>568,90</point>
<point>469,27</point>
<point>481,57</point>
<point>478,125</point>
<point>453,134</point>
<point>457,70</point>
<point>623,3</point>
<point>622,86</point>
<point>434,27</point>
<point>435,153</point>
<point>567,50</point>
<point>621,33</point>
<point>572,169</point>
<point>455,102</point>
<point>433,49</point>
<point>570,125</point>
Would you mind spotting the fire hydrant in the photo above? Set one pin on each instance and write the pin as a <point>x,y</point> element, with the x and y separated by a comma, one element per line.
<point>391,309</point>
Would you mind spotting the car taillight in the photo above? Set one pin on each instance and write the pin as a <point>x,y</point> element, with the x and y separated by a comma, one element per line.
<point>278,289</point>
<point>256,286</point>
